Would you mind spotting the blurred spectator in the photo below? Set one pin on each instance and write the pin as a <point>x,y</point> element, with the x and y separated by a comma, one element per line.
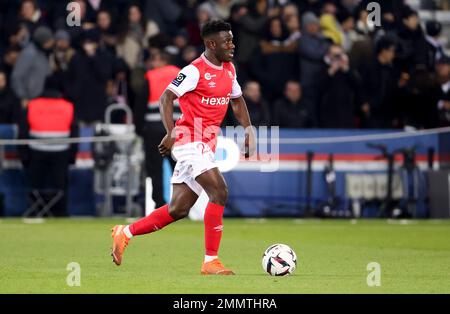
<point>443,72</point>
<point>289,10</point>
<point>202,15</point>
<point>62,52</point>
<point>412,44</point>
<point>362,46</point>
<point>347,26</point>
<point>30,15</point>
<point>314,6</point>
<point>118,92</point>
<point>331,29</point>
<point>155,43</point>
<point>435,48</point>
<point>18,35</point>
<point>158,42</point>
<point>134,35</point>
<point>274,34</point>
<point>47,165</point>
<point>179,44</point>
<point>312,49</point>
<point>76,32</point>
<point>290,111</point>
<point>379,79</point>
<point>10,109</point>
<point>9,59</point>
<point>165,13</point>
<point>444,110</point>
<point>293,27</point>
<point>33,66</point>
<point>329,7</point>
<point>148,119</point>
<point>189,54</point>
<point>219,9</point>
<point>88,74</point>
<point>237,11</point>
<point>108,33</point>
<point>256,104</point>
<point>273,60</point>
<point>94,7</point>
<point>392,11</point>
<point>442,80</point>
<point>350,5</point>
<point>250,27</point>
<point>338,97</point>
<point>54,13</point>
<point>415,106</point>
<point>362,26</point>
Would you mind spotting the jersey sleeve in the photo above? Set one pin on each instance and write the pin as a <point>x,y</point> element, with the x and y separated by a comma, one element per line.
<point>236,90</point>
<point>186,81</point>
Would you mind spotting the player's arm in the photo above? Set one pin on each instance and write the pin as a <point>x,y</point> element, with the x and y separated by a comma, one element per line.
<point>185,81</point>
<point>166,111</point>
<point>240,111</point>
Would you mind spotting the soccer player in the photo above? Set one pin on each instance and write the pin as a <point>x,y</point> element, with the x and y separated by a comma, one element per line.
<point>204,89</point>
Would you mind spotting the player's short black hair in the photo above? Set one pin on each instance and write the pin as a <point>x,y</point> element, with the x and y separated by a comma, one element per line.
<point>215,26</point>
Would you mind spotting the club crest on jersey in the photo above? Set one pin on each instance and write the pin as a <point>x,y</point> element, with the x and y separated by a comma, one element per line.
<point>209,76</point>
<point>179,79</point>
<point>230,74</point>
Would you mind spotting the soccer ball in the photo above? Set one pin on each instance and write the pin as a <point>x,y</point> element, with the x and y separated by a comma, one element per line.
<point>279,260</point>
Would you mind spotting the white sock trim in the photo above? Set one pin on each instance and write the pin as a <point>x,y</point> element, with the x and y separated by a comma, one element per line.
<point>127,232</point>
<point>210,258</point>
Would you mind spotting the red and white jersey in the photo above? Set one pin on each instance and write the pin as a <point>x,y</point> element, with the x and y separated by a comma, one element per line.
<point>204,91</point>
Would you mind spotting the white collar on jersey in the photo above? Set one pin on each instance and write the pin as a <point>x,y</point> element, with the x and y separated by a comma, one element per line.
<point>211,64</point>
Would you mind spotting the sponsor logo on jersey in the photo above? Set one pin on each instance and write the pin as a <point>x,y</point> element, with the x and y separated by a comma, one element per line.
<point>216,101</point>
<point>179,79</point>
<point>212,84</point>
<point>230,74</point>
<point>209,76</point>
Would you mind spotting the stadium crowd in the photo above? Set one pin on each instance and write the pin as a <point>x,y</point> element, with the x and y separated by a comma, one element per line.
<point>301,63</point>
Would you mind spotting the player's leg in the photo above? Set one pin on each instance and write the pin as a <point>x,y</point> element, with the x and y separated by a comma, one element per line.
<point>215,187</point>
<point>183,198</point>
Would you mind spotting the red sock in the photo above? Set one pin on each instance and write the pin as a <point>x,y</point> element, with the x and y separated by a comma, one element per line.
<point>213,228</point>
<point>153,222</point>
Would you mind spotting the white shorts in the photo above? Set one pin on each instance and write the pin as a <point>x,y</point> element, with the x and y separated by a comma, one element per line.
<point>192,159</point>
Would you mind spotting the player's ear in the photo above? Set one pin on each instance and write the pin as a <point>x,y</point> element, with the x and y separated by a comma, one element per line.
<point>211,44</point>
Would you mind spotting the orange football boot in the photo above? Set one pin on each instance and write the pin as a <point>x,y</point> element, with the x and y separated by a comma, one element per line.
<point>215,267</point>
<point>120,242</point>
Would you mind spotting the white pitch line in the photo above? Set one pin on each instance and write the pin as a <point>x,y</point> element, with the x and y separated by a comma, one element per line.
<point>33,220</point>
<point>256,220</point>
<point>401,222</point>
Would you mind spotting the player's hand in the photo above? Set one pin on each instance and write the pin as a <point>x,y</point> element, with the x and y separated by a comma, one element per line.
<point>166,145</point>
<point>250,144</point>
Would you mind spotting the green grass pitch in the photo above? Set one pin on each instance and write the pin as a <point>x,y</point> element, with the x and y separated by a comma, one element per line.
<point>332,257</point>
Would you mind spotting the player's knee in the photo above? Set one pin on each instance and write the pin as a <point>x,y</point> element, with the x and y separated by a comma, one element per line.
<point>219,195</point>
<point>178,212</point>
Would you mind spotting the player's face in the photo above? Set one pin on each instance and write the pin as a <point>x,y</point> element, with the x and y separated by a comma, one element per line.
<point>224,46</point>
